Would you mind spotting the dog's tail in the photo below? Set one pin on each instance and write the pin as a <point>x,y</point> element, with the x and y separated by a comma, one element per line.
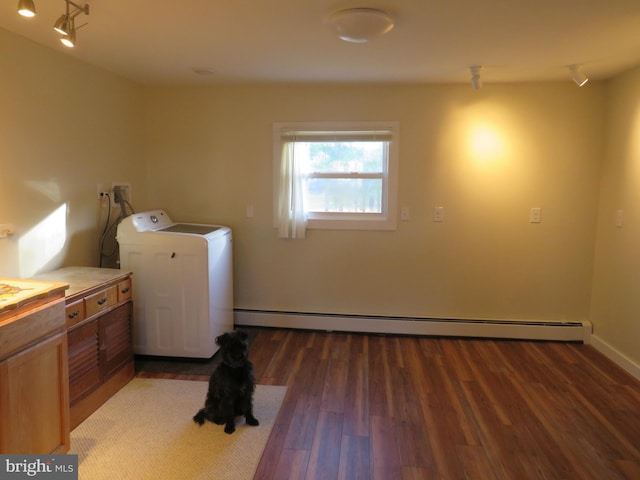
<point>200,417</point>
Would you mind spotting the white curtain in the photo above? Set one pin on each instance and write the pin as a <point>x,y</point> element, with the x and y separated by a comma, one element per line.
<point>291,218</point>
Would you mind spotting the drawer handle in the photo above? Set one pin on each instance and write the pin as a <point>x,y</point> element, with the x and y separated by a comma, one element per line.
<point>102,301</point>
<point>74,314</point>
<point>125,290</point>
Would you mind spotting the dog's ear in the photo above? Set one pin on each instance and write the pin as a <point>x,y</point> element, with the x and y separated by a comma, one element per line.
<point>242,335</point>
<point>222,339</point>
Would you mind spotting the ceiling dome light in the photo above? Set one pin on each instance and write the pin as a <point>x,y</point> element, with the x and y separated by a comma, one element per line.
<point>26,8</point>
<point>359,25</point>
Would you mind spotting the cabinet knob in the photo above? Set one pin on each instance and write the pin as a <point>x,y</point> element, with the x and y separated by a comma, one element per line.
<point>74,314</point>
<point>125,290</point>
<point>102,301</point>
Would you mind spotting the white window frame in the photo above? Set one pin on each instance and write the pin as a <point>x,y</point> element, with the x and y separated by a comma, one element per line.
<point>388,218</point>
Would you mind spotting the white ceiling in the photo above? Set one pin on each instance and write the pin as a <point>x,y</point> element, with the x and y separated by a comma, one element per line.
<point>159,42</point>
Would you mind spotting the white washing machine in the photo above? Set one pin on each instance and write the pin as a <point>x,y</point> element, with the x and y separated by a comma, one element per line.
<point>182,283</point>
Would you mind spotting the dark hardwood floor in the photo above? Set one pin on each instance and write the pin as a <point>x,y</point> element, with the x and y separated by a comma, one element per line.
<point>394,407</point>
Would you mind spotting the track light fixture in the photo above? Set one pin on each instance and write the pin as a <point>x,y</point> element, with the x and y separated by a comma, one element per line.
<point>66,24</point>
<point>69,40</point>
<point>63,25</point>
<point>476,81</point>
<point>26,8</point>
<point>577,75</point>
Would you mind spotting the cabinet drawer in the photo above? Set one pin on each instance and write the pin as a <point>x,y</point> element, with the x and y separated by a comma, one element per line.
<point>100,301</point>
<point>124,290</point>
<point>28,327</point>
<point>75,312</point>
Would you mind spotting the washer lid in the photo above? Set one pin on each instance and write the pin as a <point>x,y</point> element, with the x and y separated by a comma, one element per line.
<point>190,228</point>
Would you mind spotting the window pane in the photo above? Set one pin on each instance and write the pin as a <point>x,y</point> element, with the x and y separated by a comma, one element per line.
<point>354,157</point>
<point>343,173</point>
<point>348,195</point>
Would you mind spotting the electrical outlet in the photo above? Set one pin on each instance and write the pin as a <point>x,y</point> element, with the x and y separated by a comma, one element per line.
<point>100,190</point>
<point>103,196</point>
<point>104,199</point>
<point>120,192</point>
<point>535,216</point>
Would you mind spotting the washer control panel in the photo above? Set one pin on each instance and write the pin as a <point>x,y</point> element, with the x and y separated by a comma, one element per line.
<point>151,220</point>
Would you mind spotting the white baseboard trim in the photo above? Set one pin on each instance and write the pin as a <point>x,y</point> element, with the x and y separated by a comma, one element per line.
<point>510,329</point>
<point>617,357</point>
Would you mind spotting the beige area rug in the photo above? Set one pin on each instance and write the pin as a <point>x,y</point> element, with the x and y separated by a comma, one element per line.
<point>146,431</point>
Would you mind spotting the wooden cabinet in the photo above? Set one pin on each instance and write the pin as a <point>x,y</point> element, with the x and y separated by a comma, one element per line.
<point>98,350</point>
<point>34,395</point>
<point>98,321</point>
<point>115,340</point>
<point>29,423</point>
<point>84,361</point>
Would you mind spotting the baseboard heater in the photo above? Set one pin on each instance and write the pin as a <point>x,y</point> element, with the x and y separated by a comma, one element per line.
<point>511,329</point>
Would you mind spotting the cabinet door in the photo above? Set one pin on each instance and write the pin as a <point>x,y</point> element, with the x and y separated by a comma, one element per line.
<point>115,340</point>
<point>84,361</point>
<point>34,399</point>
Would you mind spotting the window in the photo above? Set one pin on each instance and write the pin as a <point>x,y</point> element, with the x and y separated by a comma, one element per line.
<point>335,176</point>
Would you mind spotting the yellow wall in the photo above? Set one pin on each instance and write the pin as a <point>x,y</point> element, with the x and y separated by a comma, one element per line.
<point>615,308</point>
<point>65,127</point>
<point>210,155</point>
<point>204,154</point>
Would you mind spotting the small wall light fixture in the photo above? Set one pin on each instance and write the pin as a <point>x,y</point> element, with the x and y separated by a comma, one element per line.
<point>66,24</point>
<point>26,8</point>
<point>577,76</point>
<point>359,25</point>
<point>476,81</point>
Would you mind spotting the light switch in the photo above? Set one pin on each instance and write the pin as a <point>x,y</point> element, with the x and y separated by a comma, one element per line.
<point>405,215</point>
<point>619,218</point>
<point>438,214</point>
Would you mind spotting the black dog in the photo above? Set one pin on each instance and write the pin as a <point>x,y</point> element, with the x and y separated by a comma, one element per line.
<point>231,384</point>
